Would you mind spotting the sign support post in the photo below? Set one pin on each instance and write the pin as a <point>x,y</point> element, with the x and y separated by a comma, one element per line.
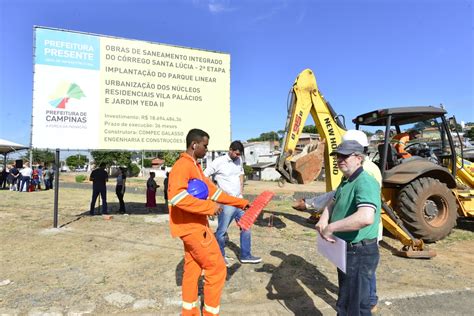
<point>56,188</point>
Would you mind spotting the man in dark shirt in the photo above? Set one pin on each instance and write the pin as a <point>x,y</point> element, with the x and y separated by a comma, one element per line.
<point>165,191</point>
<point>3,178</point>
<point>99,177</point>
<point>14,178</point>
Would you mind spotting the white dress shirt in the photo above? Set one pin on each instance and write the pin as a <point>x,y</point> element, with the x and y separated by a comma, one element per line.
<point>226,173</point>
<point>26,172</point>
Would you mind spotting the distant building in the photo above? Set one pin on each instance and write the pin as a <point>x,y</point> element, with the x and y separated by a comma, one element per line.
<point>156,163</point>
<point>305,139</point>
<point>254,150</point>
<point>262,157</point>
<point>432,134</point>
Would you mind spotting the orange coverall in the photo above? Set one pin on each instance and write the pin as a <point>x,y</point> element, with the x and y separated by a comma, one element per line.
<point>400,141</point>
<point>188,220</point>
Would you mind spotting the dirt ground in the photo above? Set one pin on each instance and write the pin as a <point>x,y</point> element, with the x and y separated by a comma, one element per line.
<point>130,265</point>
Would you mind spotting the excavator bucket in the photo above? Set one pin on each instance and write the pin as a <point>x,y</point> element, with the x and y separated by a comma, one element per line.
<point>307,166</point>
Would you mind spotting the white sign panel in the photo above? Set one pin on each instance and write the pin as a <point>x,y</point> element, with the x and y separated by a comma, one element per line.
<point>334,251</point>
<point>97,92</point>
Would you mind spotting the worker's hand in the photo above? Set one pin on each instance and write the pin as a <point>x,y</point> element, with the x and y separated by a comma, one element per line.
<point>300,205</point>
<point>320,227</point>
<point>324,230</point>
<point>218,209</point>
<point>246,207</point>
<point>326,233</point>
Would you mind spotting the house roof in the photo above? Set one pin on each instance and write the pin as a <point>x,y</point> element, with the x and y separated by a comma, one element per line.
<point>157,161</point>
<point>263,165</point>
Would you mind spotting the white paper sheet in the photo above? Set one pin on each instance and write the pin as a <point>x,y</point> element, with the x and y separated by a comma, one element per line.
<point>335,252</point>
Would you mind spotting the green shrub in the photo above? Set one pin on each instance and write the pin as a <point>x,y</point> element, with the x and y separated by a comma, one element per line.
<point>81,178</point>
<point>147,163</point>
<point>134,170</point>
<point>248,170</point>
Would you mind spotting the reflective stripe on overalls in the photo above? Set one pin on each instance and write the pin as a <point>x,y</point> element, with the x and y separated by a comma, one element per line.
<point>190,306</point>
<point>212,310</point>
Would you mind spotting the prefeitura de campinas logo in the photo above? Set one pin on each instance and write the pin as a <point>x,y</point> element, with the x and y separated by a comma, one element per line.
<point>66,111</point>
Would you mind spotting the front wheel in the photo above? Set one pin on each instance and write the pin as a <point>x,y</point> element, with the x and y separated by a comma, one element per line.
<point>428,209</point>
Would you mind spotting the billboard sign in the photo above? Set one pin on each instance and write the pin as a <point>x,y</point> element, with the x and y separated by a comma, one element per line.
<point>99,92</point>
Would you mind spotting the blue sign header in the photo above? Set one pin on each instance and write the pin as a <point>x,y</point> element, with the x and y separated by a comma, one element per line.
<point>66,49</point>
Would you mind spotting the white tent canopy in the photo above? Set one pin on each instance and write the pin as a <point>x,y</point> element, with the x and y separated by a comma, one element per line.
<point>7,146</point>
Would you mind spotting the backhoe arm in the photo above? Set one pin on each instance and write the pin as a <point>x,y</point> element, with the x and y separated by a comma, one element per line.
<point>307,99</point>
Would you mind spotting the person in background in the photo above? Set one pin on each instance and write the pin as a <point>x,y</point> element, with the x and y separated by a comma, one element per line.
<point>3,178</point>
<point>120,188</point>
<point>228,172</point>
<point>188,221</point>
<point>47,178</point>
<point>26,174</point>
<point>34,180</point>
<point>52,171</point>
<point>40,176</point>
<point>165,190</point>
<point>151,187</point>
<point>99,178</point>
<point>401,140</point>
<point>14,178</point>
<point>354,215</point>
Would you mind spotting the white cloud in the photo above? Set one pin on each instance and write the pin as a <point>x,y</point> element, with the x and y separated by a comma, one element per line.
<point>278,7</point>
<point>216,7</point>
<point>219,6</point>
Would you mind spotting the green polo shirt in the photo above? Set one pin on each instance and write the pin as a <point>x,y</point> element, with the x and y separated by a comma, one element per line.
<point>361,189</point>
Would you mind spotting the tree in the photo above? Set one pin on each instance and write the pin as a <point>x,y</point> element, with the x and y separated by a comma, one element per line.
<point>120,158</point>
<point>44,157</point>
<point>147,163</point>
<point>425,124</point>
<point>470,133</point>
<point>76,161</point>
<point>369,134</point>
<point>270,136</point>
<point>106,157</point>
<point>248,170</point>
<point>310,129</point>
<point>153,154</point>
<point>170,157</point>
<point>265,136</point>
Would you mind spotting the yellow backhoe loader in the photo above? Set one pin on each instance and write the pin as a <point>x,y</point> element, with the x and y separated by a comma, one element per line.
<point>422,195</point>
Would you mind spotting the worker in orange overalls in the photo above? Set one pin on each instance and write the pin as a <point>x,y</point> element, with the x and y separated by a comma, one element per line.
<point>400,141</point>
<point>188,221</point>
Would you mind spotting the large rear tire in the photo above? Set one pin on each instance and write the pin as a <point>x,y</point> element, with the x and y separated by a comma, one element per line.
<point>428,209</point>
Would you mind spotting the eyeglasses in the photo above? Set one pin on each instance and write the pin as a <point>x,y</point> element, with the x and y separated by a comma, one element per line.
<point>343,157</point>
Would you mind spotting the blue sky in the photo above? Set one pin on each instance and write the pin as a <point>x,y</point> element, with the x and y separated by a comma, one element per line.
<point>366,54</point>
